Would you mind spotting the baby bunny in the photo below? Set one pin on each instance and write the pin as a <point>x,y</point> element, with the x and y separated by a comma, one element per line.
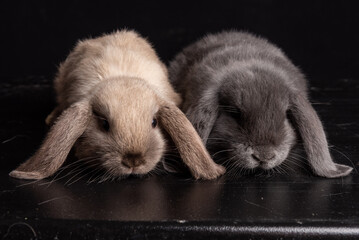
<point>112,92</point>
<point>245,98</point>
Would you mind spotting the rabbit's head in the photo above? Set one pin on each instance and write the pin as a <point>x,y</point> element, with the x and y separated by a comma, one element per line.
<point>252,121</point>
<point>122,135</point>
<point>258,120</point>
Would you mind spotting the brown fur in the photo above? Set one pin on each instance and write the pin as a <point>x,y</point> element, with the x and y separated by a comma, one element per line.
<point>56,145</point>
<point>109,90</point>
<point>188,142</point>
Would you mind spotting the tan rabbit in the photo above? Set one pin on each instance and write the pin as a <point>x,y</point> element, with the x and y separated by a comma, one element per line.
<point>111,91</point>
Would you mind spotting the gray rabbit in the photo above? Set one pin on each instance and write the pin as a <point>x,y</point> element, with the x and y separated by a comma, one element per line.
<point>247,99</point>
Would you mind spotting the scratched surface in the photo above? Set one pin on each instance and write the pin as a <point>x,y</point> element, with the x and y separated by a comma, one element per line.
<point>52,206</point>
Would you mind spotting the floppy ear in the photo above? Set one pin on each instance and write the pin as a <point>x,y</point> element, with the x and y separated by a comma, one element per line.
<point>314,140</point>
<point>57,144</point>
<point>188,143</point>
<point>202,115</point>
<point>50,119</point>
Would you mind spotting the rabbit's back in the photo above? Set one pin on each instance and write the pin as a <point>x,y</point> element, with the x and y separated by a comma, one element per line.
<point>123,53</point>
<point>204,63</point>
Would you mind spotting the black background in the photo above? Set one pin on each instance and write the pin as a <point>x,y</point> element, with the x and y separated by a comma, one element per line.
<point>319,36</point>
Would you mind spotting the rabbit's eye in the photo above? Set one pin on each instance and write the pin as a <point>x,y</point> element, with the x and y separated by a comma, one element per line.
<point>105,125</point>
<point>154,122</point>
<point>236,114</point>
<point>102,121</point>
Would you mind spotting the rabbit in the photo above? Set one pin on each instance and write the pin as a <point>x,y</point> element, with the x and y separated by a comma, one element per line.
<point>113,94</point>
<point>248,102</point>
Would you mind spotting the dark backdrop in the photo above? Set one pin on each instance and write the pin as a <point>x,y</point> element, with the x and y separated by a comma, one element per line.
<point>319,36</point>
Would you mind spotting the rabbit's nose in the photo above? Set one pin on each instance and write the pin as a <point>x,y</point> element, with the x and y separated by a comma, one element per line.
<point>131,160</point>
<point>263,157</point>
<point>256,157</point>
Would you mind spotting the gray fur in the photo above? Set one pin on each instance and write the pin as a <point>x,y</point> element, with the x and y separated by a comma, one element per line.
<point>237,90</point>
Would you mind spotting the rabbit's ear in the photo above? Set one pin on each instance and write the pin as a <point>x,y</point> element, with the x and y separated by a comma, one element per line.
<point>202,115</point>
<point>53,152</point>
<point>314,139</point>
<point>50,119</point>
<point>188,143</point>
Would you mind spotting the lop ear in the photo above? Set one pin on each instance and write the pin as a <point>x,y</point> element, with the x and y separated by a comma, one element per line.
<point>314,139</point>
<point>188,143</point>
<point>53,152</point>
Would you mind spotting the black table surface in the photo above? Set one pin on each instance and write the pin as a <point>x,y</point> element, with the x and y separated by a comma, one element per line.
<point>279,206</point>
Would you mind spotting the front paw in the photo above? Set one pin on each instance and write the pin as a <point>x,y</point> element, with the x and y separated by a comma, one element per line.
<point>338,170</point>
<point>211,172</point>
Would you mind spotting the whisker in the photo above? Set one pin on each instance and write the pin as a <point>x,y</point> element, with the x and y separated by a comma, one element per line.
<point>86,174</point>
<point>222,151</point>
<point>101,177</point>
<point>285,167</point>
<point>78,164</point>
<point>29,183</point>
<point>106,177</point>
<point>80,171</point>
<point>98,170</point>
<point>294,166</point>
<point>345,156</point>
